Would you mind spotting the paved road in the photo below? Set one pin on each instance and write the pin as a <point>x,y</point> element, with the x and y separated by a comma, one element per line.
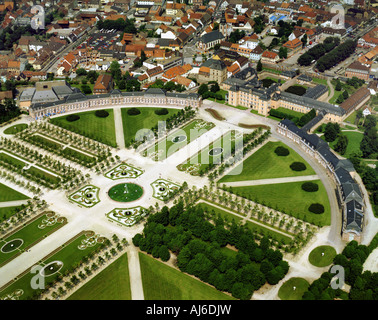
<point>15,203</point>
<point>270,181</point>
<point>120,138</point>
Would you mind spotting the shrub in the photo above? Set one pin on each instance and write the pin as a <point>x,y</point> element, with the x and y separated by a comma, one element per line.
<point>72,117</point>
<point>101,113</point>
<point>316,208</point>
<point>133,111</point>
<point>161,112</point>
<point>298,166</point>
<point>281,151</point>
<point>310,187</point>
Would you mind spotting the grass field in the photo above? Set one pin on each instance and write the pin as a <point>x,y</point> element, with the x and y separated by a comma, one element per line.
<point>147,119</point>
<point>291,199</point>
<point>113,283</point>
<point>161,282</point>
<point>322,256</point>
<point>99,129</point>
<point>30,234</point>
<point>7,212</point>
<point>9,194</point>
<point>16,128</point>
<point>250,224</point>
<point>354,140</point>
<point>11,160</point>
<point>212,154</point>
<point>293,289</point>
<point>265,164</point>
<point>69,254</point>
<point>44,175</point>
<point>125,192</point>
<point>167,146</point>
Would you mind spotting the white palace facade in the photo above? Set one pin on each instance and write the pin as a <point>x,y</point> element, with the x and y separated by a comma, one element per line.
<point>81,102</point>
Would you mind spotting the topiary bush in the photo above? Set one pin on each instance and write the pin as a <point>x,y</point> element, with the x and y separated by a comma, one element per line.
<point>101,113</point>
<point>298,166</point>
<point>310,187</point>
<point>133,111</point>
<point>282,151</point>
<point>316,208</point>
<point>161,112</point>
<point>72,117</point>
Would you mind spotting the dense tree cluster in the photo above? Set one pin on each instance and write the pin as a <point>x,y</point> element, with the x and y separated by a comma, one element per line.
<point>300,122</point>
<point>120,24</point>
<point>331,131</point>
<point>364,284</point>
<point>335,56</point>
<point>369,143</point>
<point>318,51</point>
<point>8,110</point>
<point>197,238</point>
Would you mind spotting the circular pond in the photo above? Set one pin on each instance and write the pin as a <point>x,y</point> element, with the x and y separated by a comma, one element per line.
<point>178,139</point>
<point>216,151</point>
<point>125,192</point>
<point>11,245</point>
<point>51,268</point>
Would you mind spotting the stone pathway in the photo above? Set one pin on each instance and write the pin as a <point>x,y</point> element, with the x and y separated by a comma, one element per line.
<point>120,139</point>
<point>270,181</point>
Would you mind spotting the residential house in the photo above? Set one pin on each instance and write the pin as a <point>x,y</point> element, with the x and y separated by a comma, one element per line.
<point>269,57</point>
<point>104,84</point>
<point>210,39</point>
<point>293,46</point>
<point>359,70</point>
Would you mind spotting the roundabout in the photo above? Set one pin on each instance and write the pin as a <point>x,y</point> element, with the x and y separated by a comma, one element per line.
<point>125,192</point>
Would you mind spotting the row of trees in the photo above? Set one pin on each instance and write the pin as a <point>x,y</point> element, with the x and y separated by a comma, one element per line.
<point>364,284</point>
<point>335,56</point>
<point>197,239</point>
<point>127,26</point>
<point>318,51</point>
<point>8,110</point>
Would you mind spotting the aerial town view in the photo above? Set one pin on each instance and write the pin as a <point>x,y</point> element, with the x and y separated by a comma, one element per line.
<point>188,150</point>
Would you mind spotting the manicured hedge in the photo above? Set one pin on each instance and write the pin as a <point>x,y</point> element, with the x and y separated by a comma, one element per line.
<point>316,208</point>
<point>101,113</point>
<point>161,112</point>
<point>282,151</point>
<point>133,111</point>
<point>72,117</point>
<point>298,166</point>
<point>310,187</point>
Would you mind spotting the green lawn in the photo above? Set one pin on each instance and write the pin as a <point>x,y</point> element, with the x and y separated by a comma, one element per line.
<point>291,199</point>
<point>7,212</point>
<point>9,194</point>
<point>354,140</point>
<point>293,289</point>
<point>16,128</point>
<point>99,129</point>
<point>50,178</point>
<point>290,112</point>
<point>167,146</point>
<point>113,283</point>
<point>125,192</point>
<point>11,160</point>
<point>250,224</point>
<point>209,155</point>
<point>161,282</point>
<point>29,234</point>
<point>69,254</point>
<point>147,119</point>
<point>322,256</point>
<point>265,164</point>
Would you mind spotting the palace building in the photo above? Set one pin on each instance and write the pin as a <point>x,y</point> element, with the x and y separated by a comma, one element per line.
<point>81,102</point>
<point>349,195</point>
<point>252,94</point>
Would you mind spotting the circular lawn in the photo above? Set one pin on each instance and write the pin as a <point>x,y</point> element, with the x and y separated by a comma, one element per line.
<point>293,289</point>
<point>125,192</point>
<point>322,256</point>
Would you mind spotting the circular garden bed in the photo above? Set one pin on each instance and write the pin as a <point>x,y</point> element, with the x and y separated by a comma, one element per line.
<point>298,166</point>
<point>293,289</point>
<point>322,256</point>
<point>282,151</point>
<point>125,192</point>
<point>310,187</point>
